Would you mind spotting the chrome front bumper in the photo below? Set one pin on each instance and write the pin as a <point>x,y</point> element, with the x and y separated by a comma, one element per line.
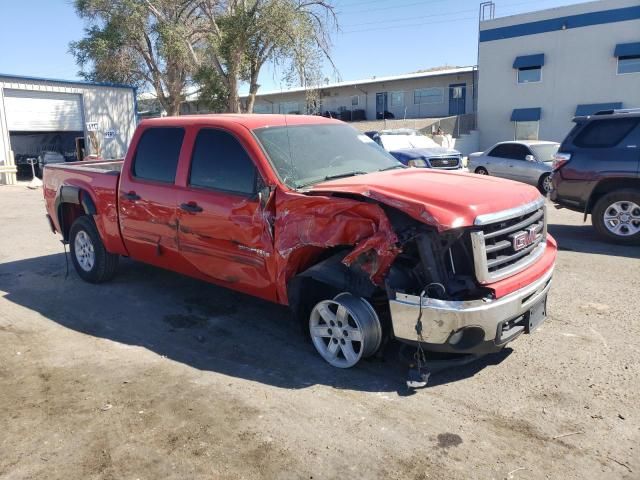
<point>501,320</point>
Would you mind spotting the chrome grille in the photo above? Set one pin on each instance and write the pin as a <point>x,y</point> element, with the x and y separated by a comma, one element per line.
<point>444,162</point>
<point>509,241</point>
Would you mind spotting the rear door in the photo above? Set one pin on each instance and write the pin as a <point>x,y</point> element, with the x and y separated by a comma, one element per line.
<point>497,160</point>
<point>147,196</point>
<point>519,168</point>
<point>223,231</point>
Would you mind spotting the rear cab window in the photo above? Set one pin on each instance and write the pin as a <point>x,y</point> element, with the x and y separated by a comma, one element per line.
<point>157,154</point>
<point>605,133</point>
<point>220,162</point>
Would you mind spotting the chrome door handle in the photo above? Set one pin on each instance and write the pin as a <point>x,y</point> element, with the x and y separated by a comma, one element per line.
<point>131,196</point>
<point>191,207</point>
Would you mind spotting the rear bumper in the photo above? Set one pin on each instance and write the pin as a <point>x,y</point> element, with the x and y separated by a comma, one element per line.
<point>477,326</point>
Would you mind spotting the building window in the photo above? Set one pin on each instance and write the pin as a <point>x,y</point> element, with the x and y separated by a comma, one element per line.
<point>628,55</point>
<point>527,130</point>
<point>629,64</point>
<point>428,95</point>
<point>529,68</point>
<point>355,101</point>
<point>397,99</point>
<point>261,108</point>
<point>289,107</point>
<point>529,74</point>
<point>457,92</point>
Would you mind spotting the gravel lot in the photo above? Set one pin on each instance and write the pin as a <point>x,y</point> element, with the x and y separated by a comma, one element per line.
<point>159,376</point>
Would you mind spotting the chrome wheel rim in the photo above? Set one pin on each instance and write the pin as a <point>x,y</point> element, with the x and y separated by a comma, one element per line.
<point>482,171</point>
<point>547,184</point>
<point>83,249</point>
<point>345,330</point>
<point>622,218</point>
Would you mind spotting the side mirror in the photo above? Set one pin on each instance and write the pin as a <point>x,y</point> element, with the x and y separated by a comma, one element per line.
<point>530,158</point>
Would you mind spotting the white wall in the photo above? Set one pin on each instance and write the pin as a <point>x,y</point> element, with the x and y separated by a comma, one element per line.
<point>579,68</point>
<point>335,97</point>
<point>112,107</point>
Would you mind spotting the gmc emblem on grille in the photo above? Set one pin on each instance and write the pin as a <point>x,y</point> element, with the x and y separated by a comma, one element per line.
<point>525,238</point>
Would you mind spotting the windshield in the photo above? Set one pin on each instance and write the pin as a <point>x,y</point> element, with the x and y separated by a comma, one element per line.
<point>545,153</point>
<point>398,142</point>
<point>307,154</point>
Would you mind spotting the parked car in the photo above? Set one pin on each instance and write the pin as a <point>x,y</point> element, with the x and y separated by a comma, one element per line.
<point>597,172</point>
<point>528,161</point>
<point>413,149</point>
<point>300,211</point>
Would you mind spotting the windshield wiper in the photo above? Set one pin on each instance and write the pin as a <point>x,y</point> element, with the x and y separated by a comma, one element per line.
<point>343,175</point>
<point>392,167</point>
<point>329,177</point>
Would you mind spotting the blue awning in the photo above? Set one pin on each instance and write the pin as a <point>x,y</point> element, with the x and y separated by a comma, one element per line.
<point>528,61</point>
<point>627,50</point>
<point>591,108</point>
<point>526,114</point>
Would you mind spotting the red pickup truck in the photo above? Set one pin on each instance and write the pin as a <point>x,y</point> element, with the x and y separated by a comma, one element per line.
<point>306,212</point>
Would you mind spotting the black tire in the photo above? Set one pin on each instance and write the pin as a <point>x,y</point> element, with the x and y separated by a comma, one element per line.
<point>104,265</point>
<point>541,184</point>
<point>604,205</point>
<point>481,171</point>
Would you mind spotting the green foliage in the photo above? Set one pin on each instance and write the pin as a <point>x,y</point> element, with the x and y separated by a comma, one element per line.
<point>213,92</point>
<point>167,45</point>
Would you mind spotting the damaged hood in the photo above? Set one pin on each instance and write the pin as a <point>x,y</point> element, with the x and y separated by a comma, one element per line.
<point>444,200</point>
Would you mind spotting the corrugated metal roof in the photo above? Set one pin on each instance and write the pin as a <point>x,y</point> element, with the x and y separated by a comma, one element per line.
<point>67,82</point>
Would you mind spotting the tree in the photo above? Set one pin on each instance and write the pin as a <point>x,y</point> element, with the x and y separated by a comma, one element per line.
<point>247,34</point>
<point>214,44</point>
<point>141,43</point>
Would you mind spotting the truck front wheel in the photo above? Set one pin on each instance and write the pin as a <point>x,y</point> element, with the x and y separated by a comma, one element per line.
<point>616,216</point>
<point>345,329</point>
<point>90,259</point>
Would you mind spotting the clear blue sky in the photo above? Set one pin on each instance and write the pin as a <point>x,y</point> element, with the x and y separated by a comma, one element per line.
<point>377,37</point>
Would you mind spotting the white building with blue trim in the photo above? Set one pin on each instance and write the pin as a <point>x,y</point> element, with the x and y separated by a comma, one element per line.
<point>540,69</point>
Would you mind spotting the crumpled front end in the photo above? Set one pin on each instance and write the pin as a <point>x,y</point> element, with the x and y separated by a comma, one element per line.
<point>512,260</point>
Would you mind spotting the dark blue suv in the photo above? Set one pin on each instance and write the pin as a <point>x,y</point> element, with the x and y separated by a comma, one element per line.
<point>597,171</point>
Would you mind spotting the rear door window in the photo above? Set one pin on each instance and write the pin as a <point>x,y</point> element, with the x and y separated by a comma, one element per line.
<point>605,133</point>
<point>501,151</point>
<point>510,150</point>
<point>157,154</point>
<point>219,162</point>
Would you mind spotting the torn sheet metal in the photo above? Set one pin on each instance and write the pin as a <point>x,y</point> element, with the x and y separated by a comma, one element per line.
<point>307,225</point>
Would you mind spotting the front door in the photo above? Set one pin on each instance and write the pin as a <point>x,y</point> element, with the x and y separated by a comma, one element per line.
<point>223,234</point>
<point>518,166</point>
<point>457,98</point>
<point>147,196</point>
<point>381,105</point>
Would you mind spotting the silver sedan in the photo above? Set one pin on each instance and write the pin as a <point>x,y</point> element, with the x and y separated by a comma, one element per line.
<point>528,161</point>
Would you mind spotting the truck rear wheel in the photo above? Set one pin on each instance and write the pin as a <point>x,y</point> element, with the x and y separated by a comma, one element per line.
<point>90,259</point>
<point>616,216</point>
<point>345,330</point>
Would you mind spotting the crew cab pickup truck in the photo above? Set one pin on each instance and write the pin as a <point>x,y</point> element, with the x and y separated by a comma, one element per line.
<point>301,211</point>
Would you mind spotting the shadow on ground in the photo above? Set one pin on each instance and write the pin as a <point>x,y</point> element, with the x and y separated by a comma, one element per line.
<point>584,239</point>
<point>200,325</point>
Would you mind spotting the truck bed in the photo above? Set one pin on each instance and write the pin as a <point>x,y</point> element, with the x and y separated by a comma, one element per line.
<point>96,179</point>
<point>111,167</point>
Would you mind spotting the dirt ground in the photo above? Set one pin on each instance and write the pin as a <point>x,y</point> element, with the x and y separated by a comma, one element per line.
<point>159,376</point>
